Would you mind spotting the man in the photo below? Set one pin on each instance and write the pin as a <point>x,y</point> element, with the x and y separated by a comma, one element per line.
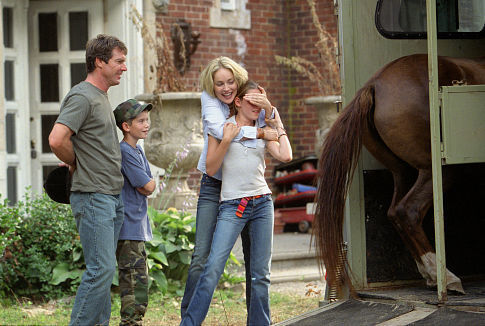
<point>85,138</point>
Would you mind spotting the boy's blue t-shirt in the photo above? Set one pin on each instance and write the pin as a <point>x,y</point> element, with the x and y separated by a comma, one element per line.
<point>136,174</point>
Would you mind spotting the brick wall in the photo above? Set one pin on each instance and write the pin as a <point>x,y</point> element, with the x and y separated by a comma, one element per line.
<point>278,27</point>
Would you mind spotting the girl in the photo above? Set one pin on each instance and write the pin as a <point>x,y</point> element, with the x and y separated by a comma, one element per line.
<point>245,200</point>
<point>219,81</point>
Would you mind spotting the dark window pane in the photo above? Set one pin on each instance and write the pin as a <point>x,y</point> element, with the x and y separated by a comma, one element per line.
<point>47,122</point>
<point>12,185</point>
<point>78,73</point>
<point>49,83</point>
<point>10,133</point>
<point>407,19</point>
<point>48,32</point>
<point>9,80</point>
<point>7,27</point>
<point>78,30</point>
<point>46,169</point>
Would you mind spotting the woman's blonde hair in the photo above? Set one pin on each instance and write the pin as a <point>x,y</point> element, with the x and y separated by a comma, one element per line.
<point>207,75</point>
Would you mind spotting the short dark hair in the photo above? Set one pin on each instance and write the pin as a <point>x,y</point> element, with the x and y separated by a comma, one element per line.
<point>102,47</point>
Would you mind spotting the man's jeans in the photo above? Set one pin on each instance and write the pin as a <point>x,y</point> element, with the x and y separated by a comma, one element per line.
<point>98,218</point>
<point>259,213</point>
<point>207,211</point>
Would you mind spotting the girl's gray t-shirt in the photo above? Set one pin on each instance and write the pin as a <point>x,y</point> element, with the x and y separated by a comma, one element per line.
<point>243,170</point>
<point>87,112</point>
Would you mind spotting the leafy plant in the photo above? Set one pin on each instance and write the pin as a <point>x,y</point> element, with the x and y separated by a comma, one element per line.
<point>41,254</point>
<point>39,237</point>
<point>170,250</point>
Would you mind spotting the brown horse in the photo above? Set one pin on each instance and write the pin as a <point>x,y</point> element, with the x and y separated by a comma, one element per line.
<point>389,115</point>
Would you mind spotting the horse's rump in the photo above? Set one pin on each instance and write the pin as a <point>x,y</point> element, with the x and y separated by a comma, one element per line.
<point>390,116</point>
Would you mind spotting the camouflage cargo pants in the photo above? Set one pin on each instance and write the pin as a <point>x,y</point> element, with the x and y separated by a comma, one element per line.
<point>133,279</point>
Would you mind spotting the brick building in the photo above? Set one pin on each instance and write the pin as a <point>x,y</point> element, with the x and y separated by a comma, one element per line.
<point>252,32</point>
<point>42,49</point>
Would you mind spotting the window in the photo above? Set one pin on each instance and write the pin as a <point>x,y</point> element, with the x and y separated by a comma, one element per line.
<point>47,122</point>
<point>78,73</point>
<point>47,32</point>
<point>49,82</point>
<point>78,30</point>
<point>407,19</point>
<point>228,4</point>
<point>8,77</point>
<point>12,185</point>
<point>10,133</point>
<point>230,14</point>
<point>7,27</point>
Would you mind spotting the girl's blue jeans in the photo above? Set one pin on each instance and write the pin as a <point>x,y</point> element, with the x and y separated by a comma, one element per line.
<point>206,219</point>
<point>259,214</point>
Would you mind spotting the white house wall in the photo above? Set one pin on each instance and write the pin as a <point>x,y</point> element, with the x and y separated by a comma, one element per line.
<point>115,21</point>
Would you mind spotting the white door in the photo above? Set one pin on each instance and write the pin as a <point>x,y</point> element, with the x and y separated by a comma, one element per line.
<point>16,98</point>
<point>58,31</point>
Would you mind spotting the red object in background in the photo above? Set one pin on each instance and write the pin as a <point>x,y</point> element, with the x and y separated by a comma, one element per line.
<point>297,199</point>
<point>291,205</point>
<point>296,177</point>
<point>292,215</point>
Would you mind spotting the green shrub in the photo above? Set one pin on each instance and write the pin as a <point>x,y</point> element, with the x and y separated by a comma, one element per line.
<point>41,254</point>
<point>38,235</point>
<point>170,250</point>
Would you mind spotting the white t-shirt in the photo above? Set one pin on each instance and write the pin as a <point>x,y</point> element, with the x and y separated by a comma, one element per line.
<point>243,170</point>
<point>214,115</point>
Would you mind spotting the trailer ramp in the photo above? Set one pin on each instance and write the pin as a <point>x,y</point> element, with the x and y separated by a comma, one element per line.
<point>415,305</point>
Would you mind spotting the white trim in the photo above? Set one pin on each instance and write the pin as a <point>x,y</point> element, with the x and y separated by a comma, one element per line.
<point>239,18</point>
<point>20,105</point>
<point>228,4</point>
<point>63,57</point>
<point>119,25</point>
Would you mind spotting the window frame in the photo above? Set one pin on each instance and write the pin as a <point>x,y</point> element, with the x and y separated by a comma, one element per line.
<point>421,35</point>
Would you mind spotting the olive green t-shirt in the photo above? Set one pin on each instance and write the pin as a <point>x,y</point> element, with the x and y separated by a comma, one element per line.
<point>87,112</point>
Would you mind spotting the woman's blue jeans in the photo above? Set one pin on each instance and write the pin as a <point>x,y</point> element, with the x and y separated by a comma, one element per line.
<point>98,219</point>
<point>259,214</point>
<point>206,219</point>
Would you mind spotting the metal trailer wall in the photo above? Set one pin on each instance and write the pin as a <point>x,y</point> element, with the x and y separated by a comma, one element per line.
<point>362,52</point>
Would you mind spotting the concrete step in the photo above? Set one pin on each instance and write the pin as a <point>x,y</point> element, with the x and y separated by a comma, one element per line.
<point>292,260</point>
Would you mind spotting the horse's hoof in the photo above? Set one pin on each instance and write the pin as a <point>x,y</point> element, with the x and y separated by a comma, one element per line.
<point>456,287</point>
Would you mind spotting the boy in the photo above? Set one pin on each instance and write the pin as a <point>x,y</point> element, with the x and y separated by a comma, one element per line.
<point>132,119</point>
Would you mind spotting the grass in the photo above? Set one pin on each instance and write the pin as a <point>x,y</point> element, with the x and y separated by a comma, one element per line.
<point>228,307</point>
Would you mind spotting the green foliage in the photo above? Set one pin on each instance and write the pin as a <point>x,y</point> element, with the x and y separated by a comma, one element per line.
<point>41,254</point>
<point>40,249</point>
<point>170,250</point>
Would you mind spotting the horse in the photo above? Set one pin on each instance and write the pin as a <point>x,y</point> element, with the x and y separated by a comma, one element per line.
<point>389,115</point>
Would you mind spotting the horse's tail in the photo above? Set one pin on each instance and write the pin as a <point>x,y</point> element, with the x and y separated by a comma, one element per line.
<point>336,166</point>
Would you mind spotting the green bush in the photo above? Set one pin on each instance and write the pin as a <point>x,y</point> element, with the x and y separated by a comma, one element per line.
<point>38,235</point>
<point>41,254</point>
<point>170,250</point>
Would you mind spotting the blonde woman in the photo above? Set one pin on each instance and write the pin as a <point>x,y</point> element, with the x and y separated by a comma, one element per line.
<point>245,201</point>
<point>220,81</point>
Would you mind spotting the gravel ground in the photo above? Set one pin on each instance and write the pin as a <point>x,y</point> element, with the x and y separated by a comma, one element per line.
<point>313,288</point>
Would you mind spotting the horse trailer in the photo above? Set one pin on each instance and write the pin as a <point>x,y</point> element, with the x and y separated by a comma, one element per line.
<point>373,33</point>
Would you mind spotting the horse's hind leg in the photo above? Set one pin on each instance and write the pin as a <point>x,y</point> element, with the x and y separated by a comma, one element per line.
<point>407,216</point>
